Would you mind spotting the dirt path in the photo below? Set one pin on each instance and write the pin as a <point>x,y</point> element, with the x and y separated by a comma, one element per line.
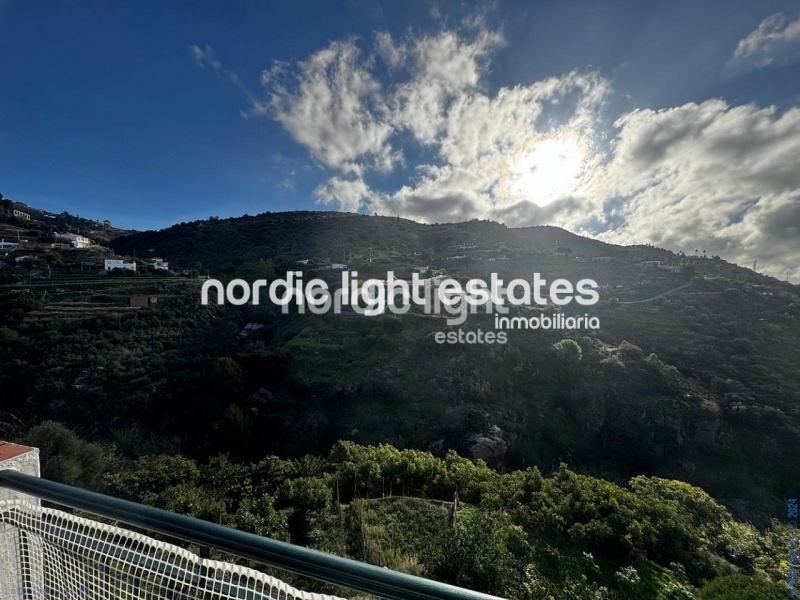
<point>677,289</point>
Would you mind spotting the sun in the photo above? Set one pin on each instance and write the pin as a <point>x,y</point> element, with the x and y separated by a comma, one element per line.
<point>548,169</point>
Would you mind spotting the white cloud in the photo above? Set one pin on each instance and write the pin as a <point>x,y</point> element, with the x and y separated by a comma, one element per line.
<point>332,105</point>
<point>711,176</point>
<point>443,67</point>
<point>206,58</point>
<point>348,194</point>
<point>708,175</point>
<point>393,55</point>
<point>775,40</point>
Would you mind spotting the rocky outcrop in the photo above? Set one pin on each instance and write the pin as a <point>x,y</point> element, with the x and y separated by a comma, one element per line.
<point>489,447</point>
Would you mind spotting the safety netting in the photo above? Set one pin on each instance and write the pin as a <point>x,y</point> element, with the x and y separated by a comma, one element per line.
<point>48,554</point>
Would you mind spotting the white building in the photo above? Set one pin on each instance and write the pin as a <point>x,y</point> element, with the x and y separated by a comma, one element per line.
<point>435,281</point>
<point>112,264</point>
<point>77,241</point>
<point>4,245</point>
<point>161,264</point>
<point>339,266</point>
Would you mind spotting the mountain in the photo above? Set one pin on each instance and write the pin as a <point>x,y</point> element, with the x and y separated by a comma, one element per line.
<point>354,434</point>
<point>701,384</point>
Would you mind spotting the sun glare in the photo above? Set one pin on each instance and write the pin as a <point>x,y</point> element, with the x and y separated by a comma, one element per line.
<point>549,169</point>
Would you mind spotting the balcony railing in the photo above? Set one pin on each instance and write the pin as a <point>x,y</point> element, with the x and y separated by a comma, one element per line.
<point>47,554</point>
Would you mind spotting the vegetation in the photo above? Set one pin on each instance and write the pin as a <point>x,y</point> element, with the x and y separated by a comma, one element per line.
<point>518,535</point>
<point>355,434</point>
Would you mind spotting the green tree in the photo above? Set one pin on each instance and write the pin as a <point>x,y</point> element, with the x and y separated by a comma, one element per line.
<point>66,458</point>
<point>485,553</point>
<point>259,516</point>
<point>742,587</point>
<point>192,501</point>
<point>149,476</point>
<point>568,352</point>
<point>226,374</point>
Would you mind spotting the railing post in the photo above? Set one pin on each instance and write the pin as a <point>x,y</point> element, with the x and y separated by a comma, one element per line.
<point>21,560</point>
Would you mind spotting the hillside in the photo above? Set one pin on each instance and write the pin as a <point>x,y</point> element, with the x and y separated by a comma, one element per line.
<point>699,384</point>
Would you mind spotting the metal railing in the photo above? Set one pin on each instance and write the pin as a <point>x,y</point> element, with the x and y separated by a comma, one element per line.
<point>321,566</point>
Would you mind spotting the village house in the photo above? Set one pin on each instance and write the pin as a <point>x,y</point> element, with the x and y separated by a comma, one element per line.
<point>4,245</point>
<point>160,264</point>
<point>9,209</point>
<point>75,240</point>
<point>111,264</point>
<point>338,266</point>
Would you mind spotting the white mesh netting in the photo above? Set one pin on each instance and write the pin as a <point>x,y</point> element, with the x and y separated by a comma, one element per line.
<point>49,554</point>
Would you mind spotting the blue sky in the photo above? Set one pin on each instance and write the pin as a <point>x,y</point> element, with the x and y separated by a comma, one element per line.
<point>673,123</point>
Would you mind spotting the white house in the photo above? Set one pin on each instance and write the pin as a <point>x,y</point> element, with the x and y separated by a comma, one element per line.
<point>436,280</point>
<point>4,245</point>
<point>160,263</point>
<point>112,264</point>
<point>339,266</point>
<point>77,241</point>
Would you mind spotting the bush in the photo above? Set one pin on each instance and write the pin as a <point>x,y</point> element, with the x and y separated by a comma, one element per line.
<point>65,457</point>
<point>742,587</point>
